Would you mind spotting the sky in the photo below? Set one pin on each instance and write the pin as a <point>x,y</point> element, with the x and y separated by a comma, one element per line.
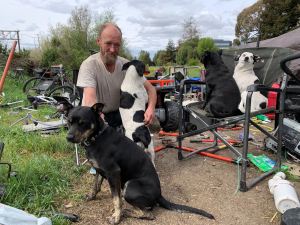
<point>146,25</point>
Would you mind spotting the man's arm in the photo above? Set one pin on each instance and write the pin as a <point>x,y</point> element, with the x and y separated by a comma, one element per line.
<point>149,114</point>
<point>89,96</point>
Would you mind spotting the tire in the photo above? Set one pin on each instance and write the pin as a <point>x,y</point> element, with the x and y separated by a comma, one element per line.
<point>172,116</point>
<point>30,86</point>
<point>66,91</point>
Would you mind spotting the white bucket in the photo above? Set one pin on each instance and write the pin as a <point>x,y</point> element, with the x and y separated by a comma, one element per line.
<point>285,196</point>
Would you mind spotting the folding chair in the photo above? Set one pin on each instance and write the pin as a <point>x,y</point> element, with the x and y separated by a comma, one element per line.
<point>268,71</point>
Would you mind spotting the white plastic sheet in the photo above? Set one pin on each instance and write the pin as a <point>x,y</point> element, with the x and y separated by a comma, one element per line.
<point>13,216</point>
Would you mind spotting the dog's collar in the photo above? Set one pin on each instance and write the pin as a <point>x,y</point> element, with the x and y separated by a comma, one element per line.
<point>92,139</point>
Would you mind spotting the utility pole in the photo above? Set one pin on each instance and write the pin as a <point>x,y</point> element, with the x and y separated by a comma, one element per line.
<point>10,35</point>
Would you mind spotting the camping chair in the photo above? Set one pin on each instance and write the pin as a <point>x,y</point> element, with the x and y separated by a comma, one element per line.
<point>268,71</point>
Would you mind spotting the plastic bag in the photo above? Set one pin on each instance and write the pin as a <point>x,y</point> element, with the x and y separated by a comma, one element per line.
<point>13,216</point>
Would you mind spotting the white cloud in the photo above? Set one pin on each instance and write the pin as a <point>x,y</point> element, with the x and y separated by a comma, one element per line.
<point>146,25</point>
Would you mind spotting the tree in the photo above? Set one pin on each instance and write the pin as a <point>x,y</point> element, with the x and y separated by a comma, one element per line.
<point>80,21</point>
<point>247,26</point>
<point>190,30</point>
<point>267,19</point>
<point>279,17</point>
<point>186,51</point>
<point>206,44</point>
<point>160,58</point>
<point>183,54</point>
<point>236,42</point>
<point>170,52</point>
<point>70,44</point>
<point>144,56</point>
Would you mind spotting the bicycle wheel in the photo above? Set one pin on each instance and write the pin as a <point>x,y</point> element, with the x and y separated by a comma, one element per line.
<point>31,86</point>
<point>69,92</point>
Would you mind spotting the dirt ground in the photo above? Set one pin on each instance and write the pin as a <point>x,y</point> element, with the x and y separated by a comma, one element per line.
<point>201,182</point>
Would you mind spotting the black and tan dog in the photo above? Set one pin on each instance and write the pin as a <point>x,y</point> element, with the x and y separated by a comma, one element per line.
<point>119,160</point>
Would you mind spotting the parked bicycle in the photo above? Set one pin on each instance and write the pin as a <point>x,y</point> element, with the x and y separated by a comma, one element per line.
<point>52,82</point>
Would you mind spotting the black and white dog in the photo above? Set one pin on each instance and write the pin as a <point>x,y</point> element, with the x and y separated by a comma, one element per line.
<point>222,94</point>
<point>124,164</point>
<point>133,102</point>
<point>244,76</point>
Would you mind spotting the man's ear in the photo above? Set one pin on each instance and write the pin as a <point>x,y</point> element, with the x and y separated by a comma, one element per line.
<point>97,107</point>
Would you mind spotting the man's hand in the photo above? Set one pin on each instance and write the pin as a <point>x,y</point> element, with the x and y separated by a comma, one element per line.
<point>149,116</point>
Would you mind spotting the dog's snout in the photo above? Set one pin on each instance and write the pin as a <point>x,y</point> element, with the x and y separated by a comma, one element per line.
<point>263,105</point>
<point>246,58</point>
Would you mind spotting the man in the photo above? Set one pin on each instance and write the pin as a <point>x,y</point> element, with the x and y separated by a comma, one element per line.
<point>101,76</point>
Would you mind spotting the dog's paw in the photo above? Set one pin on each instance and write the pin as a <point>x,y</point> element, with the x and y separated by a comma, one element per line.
<point>148,216</point>
<point>90,197</point>
<point>137,213</point>
<point>114,219</point>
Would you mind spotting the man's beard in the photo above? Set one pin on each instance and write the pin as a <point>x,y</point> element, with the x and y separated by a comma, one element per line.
<point>108,58</point>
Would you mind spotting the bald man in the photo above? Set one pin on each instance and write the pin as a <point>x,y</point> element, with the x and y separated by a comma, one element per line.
<point>101,76</point>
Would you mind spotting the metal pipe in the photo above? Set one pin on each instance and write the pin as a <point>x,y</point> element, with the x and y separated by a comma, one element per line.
<point>4,74</point>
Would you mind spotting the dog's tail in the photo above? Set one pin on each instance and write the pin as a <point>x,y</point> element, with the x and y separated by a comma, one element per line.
<point>182,208</point>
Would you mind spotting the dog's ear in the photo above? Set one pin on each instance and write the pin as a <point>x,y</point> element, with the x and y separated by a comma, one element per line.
<point>97,107</point>
<point>141,134</point>
<point>204,56</point>
<point>126,65</point>
<point>237,57</point>
<point>139,66</point>
<point>256,58</point>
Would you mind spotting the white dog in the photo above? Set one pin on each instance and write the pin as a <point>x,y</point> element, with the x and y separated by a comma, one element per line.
<point>133,104</point>
<point>258,101</point>
<point>244,76</point>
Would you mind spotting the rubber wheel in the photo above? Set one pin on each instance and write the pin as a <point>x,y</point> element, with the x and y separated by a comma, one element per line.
<point>172,117</point>
<point>30,85</point>
<point>66,91</point>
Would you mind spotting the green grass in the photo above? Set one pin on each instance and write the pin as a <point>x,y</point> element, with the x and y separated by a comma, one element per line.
<point>191,72</point>
<point>45,166</point>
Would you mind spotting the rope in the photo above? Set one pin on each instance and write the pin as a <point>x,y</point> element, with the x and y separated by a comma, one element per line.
<point>239,159</point>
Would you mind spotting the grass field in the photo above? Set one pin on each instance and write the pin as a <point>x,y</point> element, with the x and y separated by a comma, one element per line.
<point>45,165</point>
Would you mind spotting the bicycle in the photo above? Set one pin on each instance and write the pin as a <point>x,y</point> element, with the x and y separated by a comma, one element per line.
<point>52,82</point>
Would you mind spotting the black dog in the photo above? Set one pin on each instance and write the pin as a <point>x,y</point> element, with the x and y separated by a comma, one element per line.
<point>119,160</point>
<point>222,93</point>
